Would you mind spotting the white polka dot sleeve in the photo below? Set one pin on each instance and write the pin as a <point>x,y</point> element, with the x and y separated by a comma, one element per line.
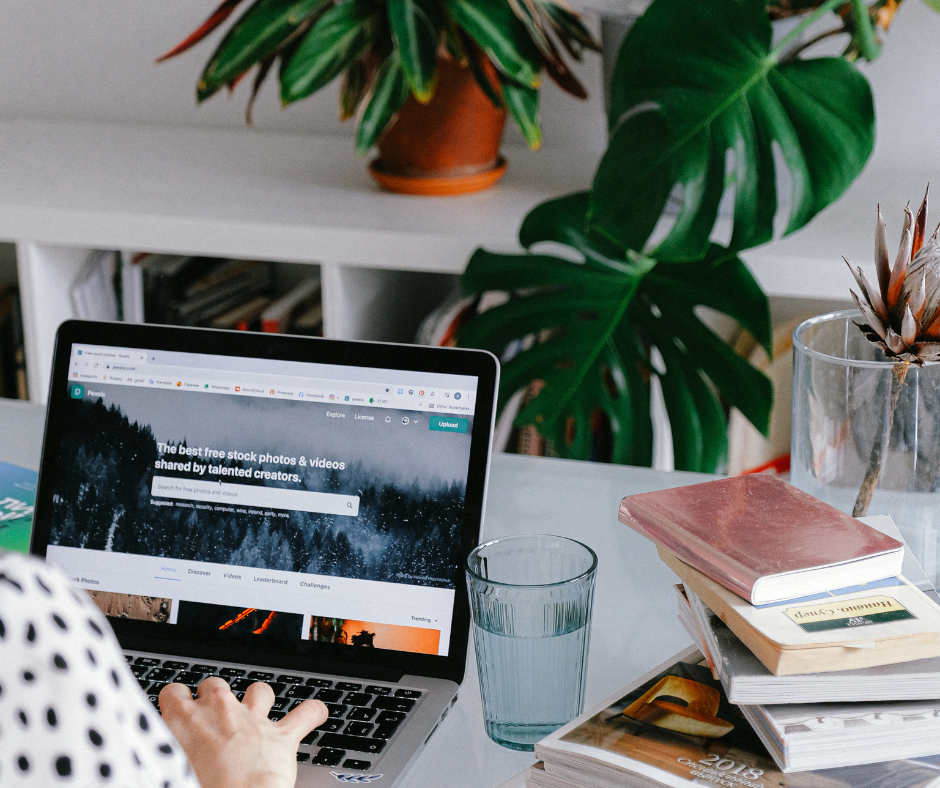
<point>71,712</point>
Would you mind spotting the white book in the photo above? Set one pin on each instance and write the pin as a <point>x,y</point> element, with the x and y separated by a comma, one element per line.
<point>92,292</point>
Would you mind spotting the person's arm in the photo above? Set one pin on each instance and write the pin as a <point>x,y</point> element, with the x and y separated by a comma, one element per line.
<point>232,744</point>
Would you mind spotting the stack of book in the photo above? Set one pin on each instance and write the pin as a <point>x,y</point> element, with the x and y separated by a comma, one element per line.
<point>817,659</point>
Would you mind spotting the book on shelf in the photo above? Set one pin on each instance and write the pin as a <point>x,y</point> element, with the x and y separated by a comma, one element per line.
<point>879,623</point>
<point>17,497</point>
<point>12,349</point>
<point>747,681</point>
<point>762,538</point>
<point>93,292</point>
<point>242,317</point>
<point>278,317</point>
<point>675,727</point>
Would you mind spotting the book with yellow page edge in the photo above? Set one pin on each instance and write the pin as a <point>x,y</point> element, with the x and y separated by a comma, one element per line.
<point>880,623</point>
<point>675,727</point>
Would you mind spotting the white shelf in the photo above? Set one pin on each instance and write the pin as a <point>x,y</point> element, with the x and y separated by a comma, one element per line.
<point>238,193</point>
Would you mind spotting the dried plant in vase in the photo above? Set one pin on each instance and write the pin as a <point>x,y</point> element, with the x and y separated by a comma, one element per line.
<point>903,318</point>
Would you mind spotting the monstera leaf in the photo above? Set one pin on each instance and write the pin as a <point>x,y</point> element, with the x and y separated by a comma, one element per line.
<point>592,326</point>
<point>698,89</point>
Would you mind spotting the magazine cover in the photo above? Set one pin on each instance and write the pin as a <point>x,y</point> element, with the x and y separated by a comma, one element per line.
<point>17,495</point>
<point>677,728</point>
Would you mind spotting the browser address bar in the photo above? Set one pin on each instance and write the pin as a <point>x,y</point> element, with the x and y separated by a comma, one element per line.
<point>252,495</point>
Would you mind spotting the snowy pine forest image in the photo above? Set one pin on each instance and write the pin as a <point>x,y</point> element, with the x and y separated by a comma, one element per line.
<point>407,531</point>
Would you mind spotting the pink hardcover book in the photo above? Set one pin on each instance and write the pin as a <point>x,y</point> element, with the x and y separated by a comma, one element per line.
<point>762,538</point>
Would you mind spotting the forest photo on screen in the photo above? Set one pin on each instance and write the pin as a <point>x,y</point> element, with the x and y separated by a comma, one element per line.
<point>411,484</point>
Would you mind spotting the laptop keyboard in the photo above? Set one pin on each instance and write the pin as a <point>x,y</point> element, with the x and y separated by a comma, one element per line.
<point>364,716</point>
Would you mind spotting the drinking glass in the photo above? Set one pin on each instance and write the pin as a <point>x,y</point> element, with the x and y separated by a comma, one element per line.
<point>531,598</point>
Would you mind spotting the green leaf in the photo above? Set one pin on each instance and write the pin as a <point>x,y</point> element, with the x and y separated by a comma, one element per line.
<point>719,281</point>
<point>388,95</point>
<point>587,329</point>
<point>562,220</point>
<point>260,31</point>
<point>335,41</point>
<point>934,4</point>
<point>694,80</point>
<point>523,104</point>
<point>416,27</point>
<point>502,35</point>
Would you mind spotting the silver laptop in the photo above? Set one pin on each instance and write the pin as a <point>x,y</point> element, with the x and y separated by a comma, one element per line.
<point>279,509</point>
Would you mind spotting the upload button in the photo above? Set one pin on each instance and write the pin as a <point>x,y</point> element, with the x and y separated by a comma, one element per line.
<point>447,424</point>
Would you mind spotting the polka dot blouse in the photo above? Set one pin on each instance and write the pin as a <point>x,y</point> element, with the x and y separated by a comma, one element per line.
<point>71,712</point>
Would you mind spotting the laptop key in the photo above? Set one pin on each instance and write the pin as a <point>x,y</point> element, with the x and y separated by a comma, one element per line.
<point>303,757</point>
<point>297,691</point>
<point>358,728</point>
<point>276,715</point>
<point>287,678</point>
<point>260,675</point>
<point>155,701</point>
<point>144,683</point>
<point>385,730</point>
<point>358,699</point>
<point>336,710</point>
<point>128,657</point>
<point>331,726</point>
<point>348,686</point>
<point>149,661</point>
<point>240,685</point>
<point>329,695</point>
<point>161,674</point>
<point>174,665</point>
<point>328,757</point>
<point>361,714</point>
<point>391,716</point>
<point>376,690</point>
<point>156,688</point>
<point>199,668</point>
<point>319,683</point>
<point>406,693</point>
<point>278,687</point>
<point>352,763</point>
<point>310,738</point>
<point>341,741</point>
<point>281,704</point>
<point>190,678</point>
<point>232,672</point>
<point>393,704</point>
<point>239,696</point>
<point>139,670</point>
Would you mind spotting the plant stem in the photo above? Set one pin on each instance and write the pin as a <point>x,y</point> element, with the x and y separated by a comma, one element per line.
<point>824,9</point>
<point>898,375</point>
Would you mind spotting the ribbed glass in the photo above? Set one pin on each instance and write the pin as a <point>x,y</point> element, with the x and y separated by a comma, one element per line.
<point>531,598</point>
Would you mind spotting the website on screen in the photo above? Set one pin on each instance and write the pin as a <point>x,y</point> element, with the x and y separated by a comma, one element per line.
<point>283,499</point>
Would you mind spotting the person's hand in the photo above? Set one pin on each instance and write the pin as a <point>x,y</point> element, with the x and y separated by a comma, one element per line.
<point>235,745</point>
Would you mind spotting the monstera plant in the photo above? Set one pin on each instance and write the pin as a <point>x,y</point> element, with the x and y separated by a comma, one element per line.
<point>703,102</point>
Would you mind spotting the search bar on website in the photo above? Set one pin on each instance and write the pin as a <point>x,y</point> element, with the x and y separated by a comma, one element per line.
<point>222,493</point>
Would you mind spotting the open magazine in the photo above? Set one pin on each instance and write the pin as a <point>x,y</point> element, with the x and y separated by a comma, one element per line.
<point>675,727</point>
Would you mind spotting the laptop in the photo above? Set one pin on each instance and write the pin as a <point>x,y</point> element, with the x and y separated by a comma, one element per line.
<point>274,508</point>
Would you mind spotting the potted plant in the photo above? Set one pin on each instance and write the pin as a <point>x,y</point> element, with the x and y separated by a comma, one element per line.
<point>425,78</point>
<point>693,82</point>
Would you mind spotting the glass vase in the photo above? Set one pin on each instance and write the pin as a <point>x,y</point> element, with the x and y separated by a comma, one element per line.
<point>842,386</point>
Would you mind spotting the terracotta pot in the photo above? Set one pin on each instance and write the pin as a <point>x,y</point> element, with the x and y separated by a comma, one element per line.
<point>448,146</point>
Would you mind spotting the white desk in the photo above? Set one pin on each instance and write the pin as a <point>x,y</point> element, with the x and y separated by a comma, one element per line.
<point>634,627</point>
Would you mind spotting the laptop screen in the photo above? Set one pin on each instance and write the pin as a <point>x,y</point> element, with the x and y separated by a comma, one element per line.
<point>279,499</point>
